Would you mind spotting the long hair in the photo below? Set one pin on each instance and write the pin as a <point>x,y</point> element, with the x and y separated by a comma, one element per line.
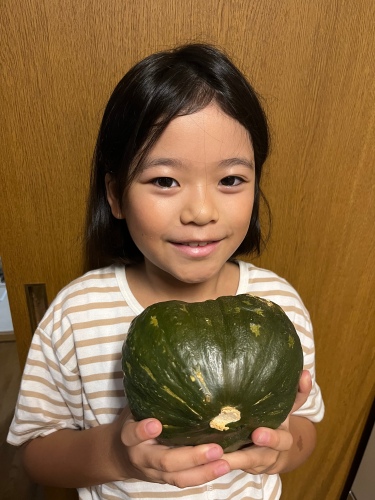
<point>159,88</point>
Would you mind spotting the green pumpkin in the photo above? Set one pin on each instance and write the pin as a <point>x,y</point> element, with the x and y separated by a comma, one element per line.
<point>212,371</point>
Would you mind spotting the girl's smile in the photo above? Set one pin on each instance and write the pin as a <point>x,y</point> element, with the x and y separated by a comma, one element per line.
<point>197,249</point>
<point>189,207</point>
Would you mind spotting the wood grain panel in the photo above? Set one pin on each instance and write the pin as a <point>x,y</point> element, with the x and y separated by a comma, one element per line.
<point>323,238</point>
<point>314,67</point>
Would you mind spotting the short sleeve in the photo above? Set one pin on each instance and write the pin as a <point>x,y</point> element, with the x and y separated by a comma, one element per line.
<point>313,408</point>
<point>50,394</point>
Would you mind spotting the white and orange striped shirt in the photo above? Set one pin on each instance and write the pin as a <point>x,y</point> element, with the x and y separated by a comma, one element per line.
<point>73,375</point>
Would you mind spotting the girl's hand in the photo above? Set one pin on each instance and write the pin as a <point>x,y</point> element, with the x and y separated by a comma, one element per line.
<point>145,459</point>
<point>272,450</point>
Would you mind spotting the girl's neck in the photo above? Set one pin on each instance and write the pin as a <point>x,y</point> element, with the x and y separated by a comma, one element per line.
<point>150,285</point>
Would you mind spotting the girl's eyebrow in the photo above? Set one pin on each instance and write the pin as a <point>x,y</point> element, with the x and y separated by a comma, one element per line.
<point>155,162</point>
<point>173,162</point>
<point>238,161</point>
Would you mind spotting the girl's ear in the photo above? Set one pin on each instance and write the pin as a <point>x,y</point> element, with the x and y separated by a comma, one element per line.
<point>114,203</point>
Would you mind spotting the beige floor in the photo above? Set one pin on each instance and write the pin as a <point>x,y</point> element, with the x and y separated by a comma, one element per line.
<point>14,485</point>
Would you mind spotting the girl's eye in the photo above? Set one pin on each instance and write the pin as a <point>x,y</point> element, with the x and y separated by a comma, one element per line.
<point>231,180</point>
<point>164,182</point>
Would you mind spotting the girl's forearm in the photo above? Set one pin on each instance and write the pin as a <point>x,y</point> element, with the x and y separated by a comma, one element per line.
<point>73,459</point>
<point>304,441</point>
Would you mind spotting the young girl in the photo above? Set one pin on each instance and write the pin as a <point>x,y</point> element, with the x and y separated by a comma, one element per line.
<point>174,200</point>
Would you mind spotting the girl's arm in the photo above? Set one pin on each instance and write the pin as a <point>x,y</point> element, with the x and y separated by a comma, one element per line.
<point>117,451</point>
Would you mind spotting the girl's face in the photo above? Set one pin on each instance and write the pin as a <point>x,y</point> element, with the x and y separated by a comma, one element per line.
<point>189,208</point>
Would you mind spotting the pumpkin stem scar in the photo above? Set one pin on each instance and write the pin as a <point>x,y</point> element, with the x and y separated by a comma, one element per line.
<point>227,415</point>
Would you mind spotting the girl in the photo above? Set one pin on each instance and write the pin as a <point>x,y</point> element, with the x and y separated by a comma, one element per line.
<point>174,200</point>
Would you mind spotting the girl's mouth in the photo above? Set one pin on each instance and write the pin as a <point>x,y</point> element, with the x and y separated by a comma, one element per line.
<point>197,244</point>
<point>196,248</point>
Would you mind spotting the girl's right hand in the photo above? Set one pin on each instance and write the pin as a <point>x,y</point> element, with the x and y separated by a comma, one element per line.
<point>145,459</point>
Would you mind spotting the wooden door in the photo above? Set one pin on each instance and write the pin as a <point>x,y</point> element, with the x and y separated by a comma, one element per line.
<point>313,63</point>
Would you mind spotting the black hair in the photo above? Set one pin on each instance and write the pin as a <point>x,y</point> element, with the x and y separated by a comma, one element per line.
<point>159,88</point>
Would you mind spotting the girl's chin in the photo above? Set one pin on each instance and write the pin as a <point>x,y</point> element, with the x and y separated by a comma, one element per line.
<point>187,273</point>
<point>194,277</point>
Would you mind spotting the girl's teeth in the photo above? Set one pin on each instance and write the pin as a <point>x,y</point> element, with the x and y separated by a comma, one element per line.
<point>203,244</point>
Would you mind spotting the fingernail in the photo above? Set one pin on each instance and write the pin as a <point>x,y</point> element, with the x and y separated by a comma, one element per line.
<point>222,469</point>
<point>262,438</point>
<point>214,453</point>
<point>152,427</point>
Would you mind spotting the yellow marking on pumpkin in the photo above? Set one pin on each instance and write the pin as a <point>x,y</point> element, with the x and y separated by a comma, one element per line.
<point>171,393</point>
<point>154,321</point>
<point>208,321</point>
<point>237,310</point>
<point>259,311</point>
<point>199,376</point>
<point>264,398</point>
<point>149,372</point>
<point>227,415</point>
<point>205,389</point>
<point>255,329</point>
<point>247,302</point>
<point>275,412</point>
<point>183,308</point>
<point>129,366</point>
<point>291,341</point>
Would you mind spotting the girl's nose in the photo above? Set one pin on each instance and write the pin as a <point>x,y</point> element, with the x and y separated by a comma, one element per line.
<point>199,207</point>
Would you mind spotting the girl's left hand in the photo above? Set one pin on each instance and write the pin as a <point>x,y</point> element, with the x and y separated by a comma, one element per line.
<point>271,448</point>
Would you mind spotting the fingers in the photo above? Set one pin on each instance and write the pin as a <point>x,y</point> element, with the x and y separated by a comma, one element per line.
<point>181,466</point>
<point>304,388</point>
<point>197,475</point>
<point>134,433</point>
<point>188,466</point>
<point>305,382</point>
<point>279,440</point>
<point>261,458</point>
<point>178,459</point>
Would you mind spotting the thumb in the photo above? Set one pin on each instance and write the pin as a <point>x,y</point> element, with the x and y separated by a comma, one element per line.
<point>304,388</point>
<point>134,433</point>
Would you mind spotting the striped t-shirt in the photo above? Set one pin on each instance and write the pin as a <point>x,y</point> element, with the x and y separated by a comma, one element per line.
<point>73,376</point>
